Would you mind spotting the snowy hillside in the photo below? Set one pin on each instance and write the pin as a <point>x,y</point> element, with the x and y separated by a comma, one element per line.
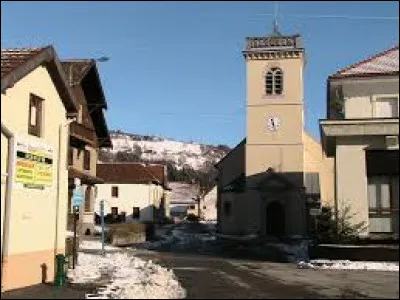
<point>132,147</point>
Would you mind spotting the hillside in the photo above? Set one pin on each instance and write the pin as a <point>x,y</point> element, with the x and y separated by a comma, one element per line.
<point>186,161</point>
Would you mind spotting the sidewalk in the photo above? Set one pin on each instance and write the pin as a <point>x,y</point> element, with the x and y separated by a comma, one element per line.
<point>49,291</point>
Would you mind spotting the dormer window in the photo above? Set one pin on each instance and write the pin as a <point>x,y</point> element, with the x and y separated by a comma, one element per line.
<point>274,82</point>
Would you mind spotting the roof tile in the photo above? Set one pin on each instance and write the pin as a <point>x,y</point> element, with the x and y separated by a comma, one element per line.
<point>131,173</point>
<point>386,62</point>
<point>13,58</point>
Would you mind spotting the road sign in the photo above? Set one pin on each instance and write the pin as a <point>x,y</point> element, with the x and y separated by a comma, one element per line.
<point>77,197</point>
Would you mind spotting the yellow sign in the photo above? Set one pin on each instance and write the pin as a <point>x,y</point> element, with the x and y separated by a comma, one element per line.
<point>34,164</point>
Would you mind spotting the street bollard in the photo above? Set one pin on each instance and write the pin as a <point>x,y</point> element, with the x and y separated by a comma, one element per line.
<point>61,272</point>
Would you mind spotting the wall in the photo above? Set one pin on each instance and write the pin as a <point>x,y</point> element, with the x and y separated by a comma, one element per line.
<point>245,213</point>
<point>358,94</point>
<point>4,159</point>
<point>33,212</point>
<point>210,201</point>
<point>144,196</point>
<point>281,149</point>
<point>315,161</point>
<point>78,159</point>
<point>351,176</point>
<point>232,166</point>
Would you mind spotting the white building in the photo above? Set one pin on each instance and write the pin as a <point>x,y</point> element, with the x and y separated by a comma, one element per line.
<point>209,205</point>
<point>133,191</point>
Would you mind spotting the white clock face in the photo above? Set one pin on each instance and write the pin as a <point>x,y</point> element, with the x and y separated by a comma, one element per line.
<point>273,123</point>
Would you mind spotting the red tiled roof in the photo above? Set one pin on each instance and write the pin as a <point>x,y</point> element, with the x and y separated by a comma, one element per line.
<point>131,173</point>
<point>17,63</point>
<point>13,58</point>
<point>383,63</point>
<point>86,178</point>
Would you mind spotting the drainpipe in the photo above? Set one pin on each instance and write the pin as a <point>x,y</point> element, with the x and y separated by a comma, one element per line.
<point>60,129</point>
<point>9,185</point>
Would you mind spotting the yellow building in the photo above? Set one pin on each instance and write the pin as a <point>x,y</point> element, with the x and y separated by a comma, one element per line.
<point>265,183</point>
<point>35,104</point>
<point>361,134</point>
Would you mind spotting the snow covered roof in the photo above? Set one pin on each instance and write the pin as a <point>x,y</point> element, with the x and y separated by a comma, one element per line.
<point>383,63</point>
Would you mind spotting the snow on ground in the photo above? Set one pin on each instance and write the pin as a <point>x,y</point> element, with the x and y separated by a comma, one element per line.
<point>129,277</point>
<point>97,229</point>
<point>349,265</point>
<point>95,245</point>
<point>183,236</point>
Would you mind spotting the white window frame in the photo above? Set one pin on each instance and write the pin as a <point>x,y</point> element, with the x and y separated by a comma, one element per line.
<point>375,98</point>
<point>274,70</point>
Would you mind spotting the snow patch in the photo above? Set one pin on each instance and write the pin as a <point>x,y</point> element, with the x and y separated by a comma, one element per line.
<point>128,277</point>
<point>349,265</point>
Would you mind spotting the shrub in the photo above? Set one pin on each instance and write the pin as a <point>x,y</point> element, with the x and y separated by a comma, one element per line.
<point>192,218</point>
<point>331,229</point>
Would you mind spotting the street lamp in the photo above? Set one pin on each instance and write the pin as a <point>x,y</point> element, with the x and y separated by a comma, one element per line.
<point>102,59</point>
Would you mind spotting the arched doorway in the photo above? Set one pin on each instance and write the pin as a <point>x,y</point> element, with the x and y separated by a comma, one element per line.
<point>275,222</point>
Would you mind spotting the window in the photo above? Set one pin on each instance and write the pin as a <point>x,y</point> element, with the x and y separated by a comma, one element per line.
<point>274,82</point>
<point>386,107</point>
<point>114,211</point>
<point>86,159</point>
<point>192,207</point>
<point>35,115</point>
<point>204,207</point>
<point>136,213</point>
<point>381,193</point>
<point>114,191</point>
<point>70,156</point>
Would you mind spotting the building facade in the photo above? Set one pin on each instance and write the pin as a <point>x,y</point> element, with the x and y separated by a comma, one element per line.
<point>133,192</point>
<point>361,135</point>
<point>264,183</point>
<point>35,104</point>
<point>88,134</point>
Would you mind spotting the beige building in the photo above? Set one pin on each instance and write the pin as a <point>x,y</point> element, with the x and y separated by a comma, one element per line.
<point>87,134</point>
<point>265,181</point>
<point>361,134</point>
<point>35,103</point>
<point>133,191</point>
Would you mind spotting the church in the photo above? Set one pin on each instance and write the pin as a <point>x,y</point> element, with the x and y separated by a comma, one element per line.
<point>270,180</point>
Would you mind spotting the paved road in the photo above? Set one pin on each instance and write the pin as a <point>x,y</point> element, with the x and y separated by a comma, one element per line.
<point>206,277</point>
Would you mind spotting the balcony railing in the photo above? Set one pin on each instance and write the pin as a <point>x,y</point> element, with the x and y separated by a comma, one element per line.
<point>83,133</point>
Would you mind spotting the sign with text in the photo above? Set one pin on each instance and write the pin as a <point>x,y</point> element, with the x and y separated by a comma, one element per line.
<point>33,164</point>
<point>77,197</point>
